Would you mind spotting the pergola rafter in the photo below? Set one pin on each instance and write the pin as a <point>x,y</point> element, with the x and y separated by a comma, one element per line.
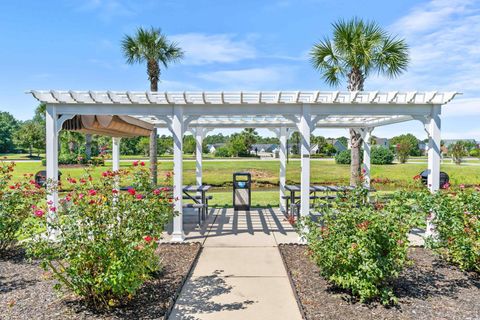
<point>281,111</point>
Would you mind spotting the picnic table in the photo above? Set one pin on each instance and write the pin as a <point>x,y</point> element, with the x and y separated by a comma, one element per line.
<point>293,189</point>
<point>202,200</point>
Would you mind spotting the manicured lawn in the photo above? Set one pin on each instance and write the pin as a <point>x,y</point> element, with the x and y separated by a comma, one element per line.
<point>21,156</point>
<point>265,173</point>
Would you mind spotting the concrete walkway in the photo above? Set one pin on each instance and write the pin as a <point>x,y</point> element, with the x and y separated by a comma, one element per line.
<point>239,274</point>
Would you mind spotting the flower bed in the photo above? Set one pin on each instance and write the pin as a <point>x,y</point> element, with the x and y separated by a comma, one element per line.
<point>100,242</point>
<point>27,291</point>
<point>427,289</point>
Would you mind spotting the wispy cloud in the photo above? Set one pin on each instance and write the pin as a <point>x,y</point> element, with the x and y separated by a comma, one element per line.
<point>108,9</point>
<point>216,48</point>
<point>443,39</point>
<point>252,78</point>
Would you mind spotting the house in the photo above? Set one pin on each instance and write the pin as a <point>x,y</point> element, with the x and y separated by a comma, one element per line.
<point>337,144</point>
<point>263,148</point>
<point>382,142</point>
<point>448,142</point>
<point>212,148</point>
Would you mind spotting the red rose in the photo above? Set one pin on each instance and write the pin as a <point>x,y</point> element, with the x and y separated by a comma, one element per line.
<point>139,196</point>
<point>114,191</point>
<point>148,239</point>
<point>142,164</point>
<point>156,192</point>
<point>135,163</point>
<point>53,209</point>
<point>92,192</point>
<point>39,213</point>
<point>132,191</point>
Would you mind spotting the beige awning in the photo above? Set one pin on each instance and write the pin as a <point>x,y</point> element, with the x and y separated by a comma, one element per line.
<point>113,126</point>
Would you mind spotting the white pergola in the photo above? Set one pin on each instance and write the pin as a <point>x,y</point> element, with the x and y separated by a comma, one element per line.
<point>281,111</point>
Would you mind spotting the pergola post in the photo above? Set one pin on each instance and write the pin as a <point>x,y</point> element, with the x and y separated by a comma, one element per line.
<point>52,162</point>
<point>116,153</point>
<point>434,130</point>
<point>305,128</point>
<point>366,157</point>
<point>283,167</point>
<point>177,132</point>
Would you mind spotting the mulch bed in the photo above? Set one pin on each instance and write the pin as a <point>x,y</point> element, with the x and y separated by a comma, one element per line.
<point>429,289</point>
<point>26,290</point>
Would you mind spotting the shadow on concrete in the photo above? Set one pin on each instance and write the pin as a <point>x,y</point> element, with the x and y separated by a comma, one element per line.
<point>199,294</point>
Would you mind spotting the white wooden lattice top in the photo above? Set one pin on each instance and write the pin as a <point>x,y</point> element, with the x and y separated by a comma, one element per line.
<point>239,98</point>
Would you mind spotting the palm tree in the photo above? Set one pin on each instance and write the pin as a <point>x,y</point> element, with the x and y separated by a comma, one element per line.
<point>153,47</point>
<point>357,50</point>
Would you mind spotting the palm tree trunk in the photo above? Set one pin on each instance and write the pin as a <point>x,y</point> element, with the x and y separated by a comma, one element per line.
<point>88,146</point>
<point>355,83</point>
<point>355,142</point>
<point>153,135</point>
<point>153,156</point>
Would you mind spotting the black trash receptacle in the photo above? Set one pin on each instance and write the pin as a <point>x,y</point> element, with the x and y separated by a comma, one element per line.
<point>242,190</point>
<point>41,177</point>
<point>444,178</point>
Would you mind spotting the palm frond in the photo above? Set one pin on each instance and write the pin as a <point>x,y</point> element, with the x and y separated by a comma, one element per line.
<point>392,57</point>
<point>326,59</point>
<point>150,45</point>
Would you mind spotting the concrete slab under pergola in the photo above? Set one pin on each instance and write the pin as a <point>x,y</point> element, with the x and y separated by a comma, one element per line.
<point>281,111</point>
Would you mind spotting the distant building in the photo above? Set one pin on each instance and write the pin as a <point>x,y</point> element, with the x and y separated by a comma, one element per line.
<point>212,148</point>
<point>382,142</point>
<point>337,145</point>
<point>448,142</point>
<point>264,148</point>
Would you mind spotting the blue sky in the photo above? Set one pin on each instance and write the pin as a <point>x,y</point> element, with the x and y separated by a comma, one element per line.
<point>235,45</point>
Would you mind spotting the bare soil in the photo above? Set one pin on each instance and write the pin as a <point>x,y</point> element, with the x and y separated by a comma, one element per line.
<point>428,289</point>
<point>26,290</point>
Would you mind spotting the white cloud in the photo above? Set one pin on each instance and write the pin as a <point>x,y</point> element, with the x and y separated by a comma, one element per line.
<point>108,9</point>
<point>248,79</point>
<point>432,15</point>
<point>444,51</point>
<point>462,107</point>
<point>216,48</point>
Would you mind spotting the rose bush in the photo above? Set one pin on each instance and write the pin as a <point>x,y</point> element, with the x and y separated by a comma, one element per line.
<point>456,220</point>
<point>360,246</point>
<point>105,239</point>
<point>16,202</point>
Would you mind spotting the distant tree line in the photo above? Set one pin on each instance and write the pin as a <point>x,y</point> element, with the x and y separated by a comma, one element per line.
<point>29,137</point>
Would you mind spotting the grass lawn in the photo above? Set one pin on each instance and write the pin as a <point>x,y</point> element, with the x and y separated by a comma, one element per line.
<point>21,156</point>
<point>265,173</point>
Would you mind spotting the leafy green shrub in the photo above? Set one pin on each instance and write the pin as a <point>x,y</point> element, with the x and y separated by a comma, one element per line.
<point>457,226</point>
<point>16,202</point>
<point>362,247</point>
<point>343,157</point>
<point>222,152</point>
<point>475,153</point>
<point>380,155</point>
<point>105,238</point>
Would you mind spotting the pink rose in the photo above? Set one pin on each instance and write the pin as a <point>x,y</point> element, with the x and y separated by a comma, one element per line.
<point>139,196</point>
<point>92,192</point>
<point>39,213</point>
